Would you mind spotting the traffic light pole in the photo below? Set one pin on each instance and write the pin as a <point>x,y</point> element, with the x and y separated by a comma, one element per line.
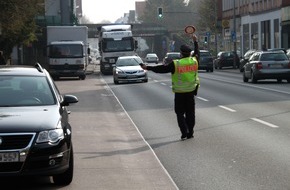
<point>235,38</point>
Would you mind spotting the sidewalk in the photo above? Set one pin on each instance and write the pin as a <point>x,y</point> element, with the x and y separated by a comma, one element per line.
<point>111,153</point>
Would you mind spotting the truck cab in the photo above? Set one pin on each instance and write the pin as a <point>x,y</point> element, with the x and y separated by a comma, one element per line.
<point>67,59</point>
<point>115,41</point>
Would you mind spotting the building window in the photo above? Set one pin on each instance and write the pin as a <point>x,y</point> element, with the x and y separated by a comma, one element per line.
<point>266,33</point>
<point>276,33</point>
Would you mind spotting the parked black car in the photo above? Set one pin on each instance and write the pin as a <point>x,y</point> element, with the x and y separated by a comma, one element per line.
<point>246,58</point>
<point>227,59</point>
<point>267,65</point>
<point>35,134</point>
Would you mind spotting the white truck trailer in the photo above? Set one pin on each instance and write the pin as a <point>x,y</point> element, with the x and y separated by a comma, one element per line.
<point>67,51</point>
<point>115,41</point>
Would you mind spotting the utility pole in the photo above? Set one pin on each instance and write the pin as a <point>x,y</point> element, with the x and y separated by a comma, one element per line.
<point>235,35</point>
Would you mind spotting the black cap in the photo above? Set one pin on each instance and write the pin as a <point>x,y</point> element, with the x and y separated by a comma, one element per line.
<point>185,49</point>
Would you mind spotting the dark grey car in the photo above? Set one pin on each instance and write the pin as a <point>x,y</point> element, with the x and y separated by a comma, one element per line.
<point>227,59</point>
<point>267,65</point>
<point>205,61</point>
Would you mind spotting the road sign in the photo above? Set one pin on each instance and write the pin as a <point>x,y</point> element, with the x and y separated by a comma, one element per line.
<point>234,37</point>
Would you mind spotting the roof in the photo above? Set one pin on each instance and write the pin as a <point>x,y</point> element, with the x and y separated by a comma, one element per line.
<point>25,70</point>
<point>66,42</point>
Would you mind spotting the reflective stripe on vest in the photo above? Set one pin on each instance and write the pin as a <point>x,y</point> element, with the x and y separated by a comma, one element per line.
<point>184,79</point>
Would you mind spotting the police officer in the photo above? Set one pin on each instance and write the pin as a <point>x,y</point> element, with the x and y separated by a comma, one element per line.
<point>185,83</point>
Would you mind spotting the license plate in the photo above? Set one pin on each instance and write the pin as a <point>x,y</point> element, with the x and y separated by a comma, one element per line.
<point>9,157</point>
<point>276,66</point>
<point>131,76</point>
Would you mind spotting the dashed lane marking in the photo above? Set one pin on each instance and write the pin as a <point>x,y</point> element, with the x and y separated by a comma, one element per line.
<point>203,99</point>
<point>265,123</point>
<point>226,108</point>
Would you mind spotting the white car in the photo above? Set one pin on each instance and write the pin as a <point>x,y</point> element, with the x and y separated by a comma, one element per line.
<point>128,69</point>
<point>151,58</point>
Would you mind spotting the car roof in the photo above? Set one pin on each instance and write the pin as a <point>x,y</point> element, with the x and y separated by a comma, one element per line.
<point>129,57</point>
<point>173,52</point>
<point>24,70</point>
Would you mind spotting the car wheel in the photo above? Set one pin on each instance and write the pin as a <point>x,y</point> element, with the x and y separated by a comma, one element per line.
<point>83,77</point>
<point>288,80</point>
<point>116,81</point>
<point>253,78</point>
<point>145,80</point>
<point>66,177</point>
<point>245,79</point>
<point>279,80</point>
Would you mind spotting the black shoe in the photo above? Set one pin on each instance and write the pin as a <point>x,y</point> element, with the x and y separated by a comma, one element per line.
<point>189,135</point>
<point>183,137</point>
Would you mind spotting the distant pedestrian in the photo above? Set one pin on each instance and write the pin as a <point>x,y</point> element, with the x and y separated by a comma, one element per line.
<point>185,83</point>
<point>2,59</point>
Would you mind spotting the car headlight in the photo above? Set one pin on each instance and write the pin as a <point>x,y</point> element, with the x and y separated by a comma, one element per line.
<point>51,136</point>
<point>142,71</point>
<point>118,71</point>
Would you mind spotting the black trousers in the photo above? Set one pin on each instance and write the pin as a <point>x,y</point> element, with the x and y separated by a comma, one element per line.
<point>184,106</point>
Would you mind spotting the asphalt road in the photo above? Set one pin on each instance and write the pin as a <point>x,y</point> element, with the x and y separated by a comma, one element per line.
<point>241,136</point>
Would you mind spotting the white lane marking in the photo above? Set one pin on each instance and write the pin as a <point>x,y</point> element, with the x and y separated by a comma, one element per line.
<point>226,108</point>
<point>203,99</point>
<point>265,123</point>
<point>155,80</point>
<point>163,83</point>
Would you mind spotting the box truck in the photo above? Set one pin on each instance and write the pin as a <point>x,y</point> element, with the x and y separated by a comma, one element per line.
<point>67,51</point>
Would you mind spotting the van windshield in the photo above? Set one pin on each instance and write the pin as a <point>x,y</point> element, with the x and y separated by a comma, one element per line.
<point>66,51</point>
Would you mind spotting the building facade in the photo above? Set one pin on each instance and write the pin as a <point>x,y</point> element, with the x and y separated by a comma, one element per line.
<point>254,24</point>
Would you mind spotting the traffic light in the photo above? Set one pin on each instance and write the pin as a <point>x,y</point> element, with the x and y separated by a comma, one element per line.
<point>205,39</point>
<point>160,12</point>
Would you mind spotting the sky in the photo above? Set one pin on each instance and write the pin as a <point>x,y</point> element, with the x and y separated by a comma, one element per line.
<point>98,10</point>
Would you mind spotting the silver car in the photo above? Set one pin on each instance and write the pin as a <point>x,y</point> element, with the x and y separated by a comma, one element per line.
<point>151,58</point>
<point>128,69</point>
<point>267,65</point>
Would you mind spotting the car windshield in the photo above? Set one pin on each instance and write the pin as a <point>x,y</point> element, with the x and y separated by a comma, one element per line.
<point>151,55</point>
<point>128,62</point>
<point>177,55</point>
<point>25,91</point>
<point>205,54</point>
<point>273,57</point>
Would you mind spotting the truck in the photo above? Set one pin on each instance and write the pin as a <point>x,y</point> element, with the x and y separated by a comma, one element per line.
<point>67,51</point>
<point>115,41</point>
